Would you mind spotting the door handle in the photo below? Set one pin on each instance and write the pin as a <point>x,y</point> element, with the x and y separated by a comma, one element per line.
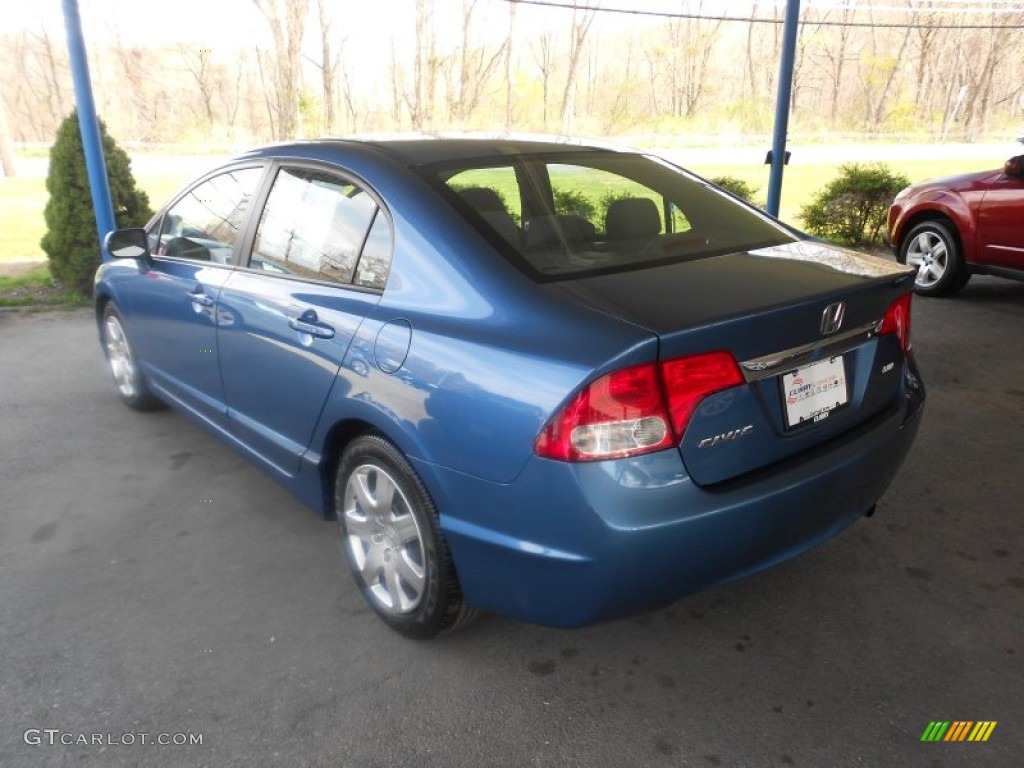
<point>199,297</point>
<point>307,322</point>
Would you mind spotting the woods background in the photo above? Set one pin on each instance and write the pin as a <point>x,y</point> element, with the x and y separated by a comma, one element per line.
<point>274,69</point>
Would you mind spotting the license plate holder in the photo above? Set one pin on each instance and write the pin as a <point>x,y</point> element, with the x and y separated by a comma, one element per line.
<point>812,392</point>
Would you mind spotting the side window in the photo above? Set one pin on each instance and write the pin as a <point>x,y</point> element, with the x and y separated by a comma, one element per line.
<point>313,226</point>
<point>204,224</point>
<point>376,259</point>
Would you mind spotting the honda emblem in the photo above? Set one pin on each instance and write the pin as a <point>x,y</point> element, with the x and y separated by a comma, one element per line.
<point>832,318</point>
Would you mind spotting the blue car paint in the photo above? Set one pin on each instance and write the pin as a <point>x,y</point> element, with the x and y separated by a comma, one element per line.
<point>617,537</point>
<point>480,373</point>
<point>759,406</point>
<point>276,415</point>
<point>170,325</point>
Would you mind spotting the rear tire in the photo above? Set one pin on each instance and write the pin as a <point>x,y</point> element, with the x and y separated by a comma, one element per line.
<point>933,249</point>
<point>124,366</point>
<point>392,541</point>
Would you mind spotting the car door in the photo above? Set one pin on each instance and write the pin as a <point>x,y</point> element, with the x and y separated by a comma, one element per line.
<point>173,310</point>
<point>317,264</point>
<point>1000,229</point>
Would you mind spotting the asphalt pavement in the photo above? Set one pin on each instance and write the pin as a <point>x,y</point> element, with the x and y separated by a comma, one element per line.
<point>154,582</point>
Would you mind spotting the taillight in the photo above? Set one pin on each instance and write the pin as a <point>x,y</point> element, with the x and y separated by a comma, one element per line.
<point>635,410</point>
<point>620,414</point>
<point>897,320</point>
<point>688,380</point>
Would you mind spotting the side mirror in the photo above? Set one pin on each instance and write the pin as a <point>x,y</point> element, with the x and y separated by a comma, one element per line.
<point>127,244</point>
<point>1014,167</point>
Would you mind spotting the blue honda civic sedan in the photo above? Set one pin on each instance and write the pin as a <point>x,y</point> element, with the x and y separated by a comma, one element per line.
<point>554,381</point>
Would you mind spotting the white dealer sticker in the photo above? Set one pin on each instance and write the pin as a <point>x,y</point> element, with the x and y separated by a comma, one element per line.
<point>815,390</point>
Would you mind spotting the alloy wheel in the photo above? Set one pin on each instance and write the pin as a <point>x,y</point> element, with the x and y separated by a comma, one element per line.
<point>929,254</point>
<point>384,539</point>
<point>119,357</point>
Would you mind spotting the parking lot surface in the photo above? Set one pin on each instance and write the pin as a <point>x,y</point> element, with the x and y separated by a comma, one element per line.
<point>154,582</point>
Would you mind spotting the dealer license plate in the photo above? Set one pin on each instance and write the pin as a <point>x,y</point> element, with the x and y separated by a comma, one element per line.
<point>812,392</point>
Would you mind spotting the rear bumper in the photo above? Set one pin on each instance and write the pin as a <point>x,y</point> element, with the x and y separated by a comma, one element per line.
<point>567,545</point>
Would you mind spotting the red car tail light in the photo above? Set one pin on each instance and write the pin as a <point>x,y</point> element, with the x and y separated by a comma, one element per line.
<point>688,380</point>
<point>635,410</point>
<point>620,414</point>
<point>897,320</point>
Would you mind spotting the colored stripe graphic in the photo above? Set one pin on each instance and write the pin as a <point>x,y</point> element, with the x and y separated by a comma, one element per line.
<point>982,730</point>
<point>958,730</point>
<point>935,730</point>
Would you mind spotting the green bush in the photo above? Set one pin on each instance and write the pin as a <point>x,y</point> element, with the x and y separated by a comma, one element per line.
<point>70,242</point>
<point>737,186</point>
<point>852,208</point>
<point>601,214</point>
<point>572,202</point>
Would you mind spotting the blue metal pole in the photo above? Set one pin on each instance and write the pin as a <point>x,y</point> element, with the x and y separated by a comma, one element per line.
<point>789,31</point>
<point>88,125</point>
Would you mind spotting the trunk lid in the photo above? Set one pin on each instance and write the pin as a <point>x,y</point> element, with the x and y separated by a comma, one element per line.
<point>777,311</point>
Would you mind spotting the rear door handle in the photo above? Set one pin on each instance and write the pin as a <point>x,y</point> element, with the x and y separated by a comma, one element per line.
<point>198,297</point>
<point>308,322</point>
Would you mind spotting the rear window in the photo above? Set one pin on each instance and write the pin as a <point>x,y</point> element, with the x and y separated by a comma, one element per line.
<point>575,215</point>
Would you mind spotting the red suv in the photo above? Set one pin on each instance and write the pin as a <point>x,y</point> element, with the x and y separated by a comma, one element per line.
<point>951,228</point>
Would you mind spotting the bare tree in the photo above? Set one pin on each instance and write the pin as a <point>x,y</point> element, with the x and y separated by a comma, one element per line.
<point>48,63</point>
<point>397,86</point>
<point>926,38</point>
<point>475,67</point>
<point>582,18</point>
<point>425,67</point>
<point>621,109</point>
<point>6,153</point>
<point>690,44</point>
<point>879,73</point>
<point>197,62</point>
<point>287,20</point>
<point>830,53</point>
<point>544,57</point>
<point>348,95</point>
<point>508,64</point>
<point>652,78</point>
<point>981,71</point>
<point>328,64</point>
<point>764,48</point>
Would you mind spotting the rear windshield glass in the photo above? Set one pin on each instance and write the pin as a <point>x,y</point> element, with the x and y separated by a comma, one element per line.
<point>575,215</point>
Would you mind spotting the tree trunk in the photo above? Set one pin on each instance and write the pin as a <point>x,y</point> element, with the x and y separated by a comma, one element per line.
<point>6,153</point>
<point>582,18</point>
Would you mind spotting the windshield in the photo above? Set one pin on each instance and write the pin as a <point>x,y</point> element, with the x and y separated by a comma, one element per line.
<point>575,215</point>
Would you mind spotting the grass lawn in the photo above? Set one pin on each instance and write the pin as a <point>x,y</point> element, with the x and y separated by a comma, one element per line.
<point>801,182</point>
<point>22,199</point>
<point>21,218</point>
<point>34,288</point>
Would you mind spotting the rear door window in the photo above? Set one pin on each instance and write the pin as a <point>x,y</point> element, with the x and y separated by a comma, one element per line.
<point>318,225</point>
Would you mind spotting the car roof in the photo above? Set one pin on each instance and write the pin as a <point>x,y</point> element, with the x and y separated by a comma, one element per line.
<point>427,150</point>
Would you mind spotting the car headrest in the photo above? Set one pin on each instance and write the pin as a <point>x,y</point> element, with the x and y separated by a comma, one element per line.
<point>632,217</point>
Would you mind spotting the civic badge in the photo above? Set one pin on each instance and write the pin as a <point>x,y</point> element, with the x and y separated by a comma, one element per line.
<point>832,318</point>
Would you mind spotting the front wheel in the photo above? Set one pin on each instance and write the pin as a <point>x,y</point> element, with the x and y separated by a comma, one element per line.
<point>933,250</point>
<point>392,540</point>
<point>128,377</point>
